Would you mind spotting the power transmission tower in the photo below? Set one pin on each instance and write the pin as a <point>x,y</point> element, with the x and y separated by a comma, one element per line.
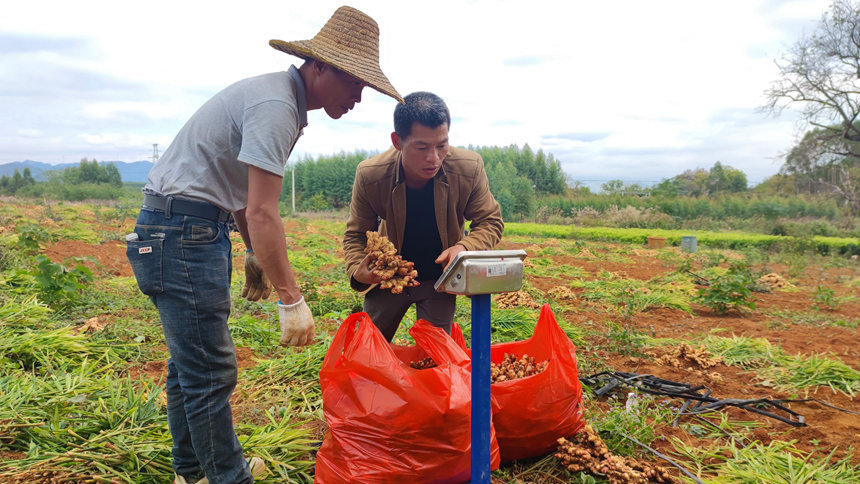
<point>154,152</point>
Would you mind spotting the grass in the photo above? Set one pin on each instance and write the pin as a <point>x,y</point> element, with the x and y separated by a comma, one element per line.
<point>86,422</point>
<point>816,318</point>
<point>637,416</point>
<point>724,240</point>
<point>777,462</point>
<point>287,383</point>
<point>629,296</point>
<point>788,372</point>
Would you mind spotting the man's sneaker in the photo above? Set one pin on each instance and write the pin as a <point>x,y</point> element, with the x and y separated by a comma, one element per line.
<point>256,464</point>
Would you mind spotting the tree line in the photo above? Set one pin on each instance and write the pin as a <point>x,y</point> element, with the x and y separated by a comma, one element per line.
<point>89,180</point>
<point>9,185</point>
<point>518,177</point>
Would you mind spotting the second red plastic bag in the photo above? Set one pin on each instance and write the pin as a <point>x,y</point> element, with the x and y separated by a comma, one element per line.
<point>531,413</point>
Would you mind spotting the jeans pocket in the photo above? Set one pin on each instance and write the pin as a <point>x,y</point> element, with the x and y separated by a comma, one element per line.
<point>146,262</point>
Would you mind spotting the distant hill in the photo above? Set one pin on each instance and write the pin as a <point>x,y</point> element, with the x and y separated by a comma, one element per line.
<point>135,171</point>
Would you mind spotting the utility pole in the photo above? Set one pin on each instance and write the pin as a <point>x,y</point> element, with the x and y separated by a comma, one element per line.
<point>154,152</point>
<point>293,189</point>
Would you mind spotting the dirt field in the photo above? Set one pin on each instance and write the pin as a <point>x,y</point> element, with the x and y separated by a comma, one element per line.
<point>827,428</point>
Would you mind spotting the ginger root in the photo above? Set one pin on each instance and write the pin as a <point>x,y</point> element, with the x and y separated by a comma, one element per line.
<point>586,452</point>
<point>423,363</point>
<point>511,368</point>
<point>386,263</point>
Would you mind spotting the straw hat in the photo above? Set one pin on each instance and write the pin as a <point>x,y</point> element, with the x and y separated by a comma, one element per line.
<point>349,41</point>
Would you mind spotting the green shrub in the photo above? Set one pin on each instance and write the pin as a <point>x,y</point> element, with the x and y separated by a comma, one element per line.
<point>31,236</point>
<point>727,292</point>
<point>824,297</point>
<point>60,286</point>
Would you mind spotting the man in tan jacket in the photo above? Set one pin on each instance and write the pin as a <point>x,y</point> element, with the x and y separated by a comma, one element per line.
<point>419,194</point>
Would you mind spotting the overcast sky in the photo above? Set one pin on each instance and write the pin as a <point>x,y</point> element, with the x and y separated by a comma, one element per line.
<point>629,89</point>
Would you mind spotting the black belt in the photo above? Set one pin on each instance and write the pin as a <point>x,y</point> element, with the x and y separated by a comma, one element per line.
<point>171,205</point>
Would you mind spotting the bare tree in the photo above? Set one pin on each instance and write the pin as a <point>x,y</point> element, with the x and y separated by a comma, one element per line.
<point>821,73</point>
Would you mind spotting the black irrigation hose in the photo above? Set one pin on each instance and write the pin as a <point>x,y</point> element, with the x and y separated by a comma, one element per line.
<point>794,419</point>
<point>664,457</point>
<point>680,412</point>
<point>822,403</point>
<point>704,402</point>
<point>707,394</point>
<point>704,282</point>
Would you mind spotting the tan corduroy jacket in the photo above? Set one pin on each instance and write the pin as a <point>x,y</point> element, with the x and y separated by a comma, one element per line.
<point>461,192</point>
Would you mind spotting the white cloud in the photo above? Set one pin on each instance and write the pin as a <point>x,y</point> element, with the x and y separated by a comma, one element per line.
<point>151,110</point>
<point>29,133</point>
<point>624,89</point>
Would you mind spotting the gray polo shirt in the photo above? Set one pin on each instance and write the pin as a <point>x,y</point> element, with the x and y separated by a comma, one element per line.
<point>255,121</point>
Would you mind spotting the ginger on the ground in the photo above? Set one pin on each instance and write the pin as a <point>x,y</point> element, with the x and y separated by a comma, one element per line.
<point>586,452</point>
<point>506,300</point>
<point>386,263</point>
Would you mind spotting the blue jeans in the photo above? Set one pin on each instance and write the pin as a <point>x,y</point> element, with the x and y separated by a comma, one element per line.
<point>184,265</point>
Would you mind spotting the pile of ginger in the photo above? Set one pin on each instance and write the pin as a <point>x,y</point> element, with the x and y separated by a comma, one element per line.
<point>386,263</point>
<point>586,452</point>
<point>511,368</point>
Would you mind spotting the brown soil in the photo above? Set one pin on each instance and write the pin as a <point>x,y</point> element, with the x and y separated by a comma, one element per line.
<point>109,255</point>
<point>157,370</point>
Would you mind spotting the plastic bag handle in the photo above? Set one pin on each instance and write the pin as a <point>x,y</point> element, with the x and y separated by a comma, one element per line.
<point>550,335</point>
<point>344,336</point>
<point>457,335</point>
<point>353,328</point>
<point>438,344</point>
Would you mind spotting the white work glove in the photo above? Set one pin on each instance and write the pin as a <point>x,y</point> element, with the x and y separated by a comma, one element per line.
<point>297,323</point>
<point>257,285</point>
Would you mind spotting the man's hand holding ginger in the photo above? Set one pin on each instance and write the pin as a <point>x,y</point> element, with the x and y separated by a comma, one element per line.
<point>384,266</point>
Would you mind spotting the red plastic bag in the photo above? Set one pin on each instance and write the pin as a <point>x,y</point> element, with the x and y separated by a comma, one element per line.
<point>408,354</point>
<point>388,422</point>
<point>531,413</point>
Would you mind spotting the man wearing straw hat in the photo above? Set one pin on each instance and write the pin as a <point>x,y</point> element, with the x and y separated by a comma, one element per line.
<point>228,160</point>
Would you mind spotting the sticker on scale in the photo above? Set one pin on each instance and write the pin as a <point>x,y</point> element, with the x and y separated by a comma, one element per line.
<point>496,270</point>
<point>144,250</point>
